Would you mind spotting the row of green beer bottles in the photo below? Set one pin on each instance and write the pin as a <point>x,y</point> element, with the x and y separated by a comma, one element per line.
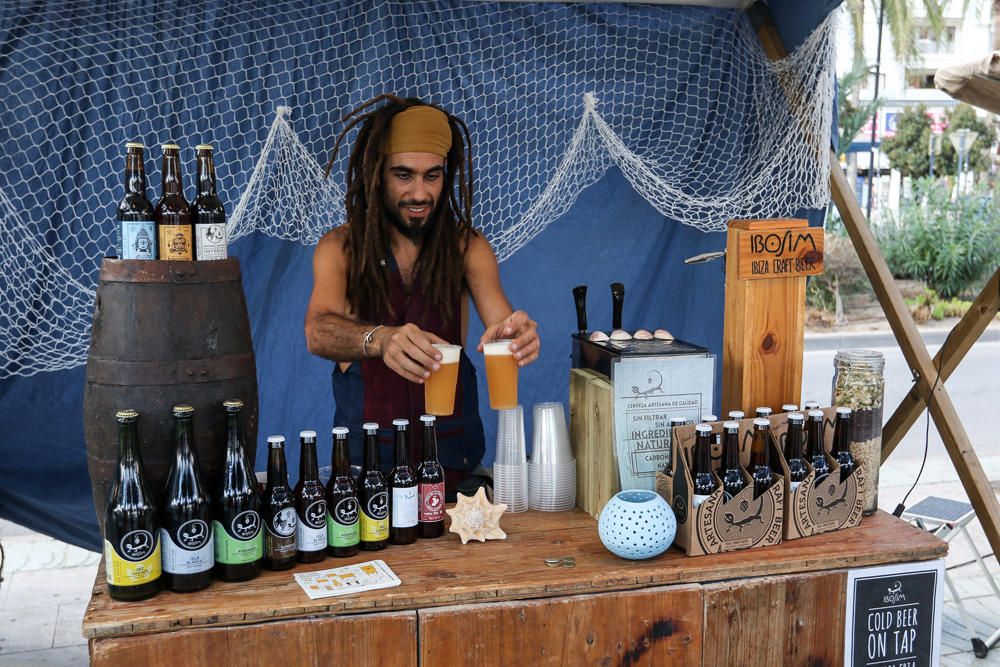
<point>173,229</point>
<point>181,547</point>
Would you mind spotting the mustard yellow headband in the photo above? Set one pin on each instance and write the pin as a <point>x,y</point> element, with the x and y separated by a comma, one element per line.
<point>420,129</point>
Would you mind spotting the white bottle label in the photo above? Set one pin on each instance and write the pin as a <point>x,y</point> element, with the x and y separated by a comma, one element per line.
<point>698,500</point>
<point>404,507</point>
<point>794,485</point>
<point>310,534</point>
<point>210,241</point>
<point>196,553</point>
<point>138,239</point>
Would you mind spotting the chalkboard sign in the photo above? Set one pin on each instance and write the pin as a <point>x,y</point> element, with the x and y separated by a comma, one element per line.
<point>894,615</point>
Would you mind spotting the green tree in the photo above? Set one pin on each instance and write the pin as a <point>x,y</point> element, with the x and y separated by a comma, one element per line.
<point>851,115</point>
<point>901,17</point>
<point>907,150</point>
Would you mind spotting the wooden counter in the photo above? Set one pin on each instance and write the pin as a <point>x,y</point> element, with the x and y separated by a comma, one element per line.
<point>676,611</point>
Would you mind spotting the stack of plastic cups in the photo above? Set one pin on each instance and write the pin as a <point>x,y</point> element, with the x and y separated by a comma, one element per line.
<point>552,470</point>
<point>510,471</point>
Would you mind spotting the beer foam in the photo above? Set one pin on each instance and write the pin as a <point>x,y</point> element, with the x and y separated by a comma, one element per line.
<point>449,353</point>
<point>497,348</point>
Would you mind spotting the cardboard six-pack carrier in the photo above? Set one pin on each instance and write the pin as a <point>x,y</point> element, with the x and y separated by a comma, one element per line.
<point>743,522</point>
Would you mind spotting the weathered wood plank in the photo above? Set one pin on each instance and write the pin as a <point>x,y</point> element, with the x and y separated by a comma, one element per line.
<point>776,621</point>
<point>378,640</point>
<point>657,626</point>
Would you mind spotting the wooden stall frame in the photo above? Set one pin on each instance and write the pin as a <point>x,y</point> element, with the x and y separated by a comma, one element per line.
<point>928,375</point>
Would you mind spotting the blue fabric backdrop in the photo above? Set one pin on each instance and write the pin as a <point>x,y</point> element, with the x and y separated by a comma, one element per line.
<point>611,234</point>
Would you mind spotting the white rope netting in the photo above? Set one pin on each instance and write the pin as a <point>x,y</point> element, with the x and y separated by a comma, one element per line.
<point>682,100</point>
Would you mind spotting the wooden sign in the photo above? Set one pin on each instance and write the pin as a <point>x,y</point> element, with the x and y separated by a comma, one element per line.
<point>894,615</point>
<point>787,251</point>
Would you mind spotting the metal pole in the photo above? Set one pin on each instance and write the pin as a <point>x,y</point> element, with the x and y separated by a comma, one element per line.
<point>930,151</point>
<point>871,147</point>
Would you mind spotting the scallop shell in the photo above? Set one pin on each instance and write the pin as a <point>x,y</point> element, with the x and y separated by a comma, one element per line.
<point>619,334</point>
<point>598,336</point>
<point>642,334</point>
<point>663,334</point>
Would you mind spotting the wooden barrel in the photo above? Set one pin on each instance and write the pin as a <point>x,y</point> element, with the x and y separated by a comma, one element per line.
<point>166,333</point>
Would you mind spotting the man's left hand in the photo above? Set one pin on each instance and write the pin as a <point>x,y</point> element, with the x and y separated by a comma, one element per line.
<point>524,332</point>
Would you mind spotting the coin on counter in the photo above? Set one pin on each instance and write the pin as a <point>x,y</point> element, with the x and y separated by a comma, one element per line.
<point>569,561</point>
<point>553,562</point>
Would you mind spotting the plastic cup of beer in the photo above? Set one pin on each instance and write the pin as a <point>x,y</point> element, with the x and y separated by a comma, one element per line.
<point>439,387</point>
<point>501,374</point>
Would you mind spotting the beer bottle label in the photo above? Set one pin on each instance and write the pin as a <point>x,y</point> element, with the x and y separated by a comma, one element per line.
<point>210,240</point>
<point>175,242</point>
<point>793,485</point>
<point>432,502</point>
<point>280,538</point>
<point>241,541</point>
<point>138,239</point>
<point>135,560</point>
<point>404,507</point>
<point>698,499</point>
<point>375,518</point>
<point>191,552</point>
<point>342,528</point>
<point>310,535</point>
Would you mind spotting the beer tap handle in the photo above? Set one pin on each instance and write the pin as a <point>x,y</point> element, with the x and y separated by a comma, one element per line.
<point>580,297</point>
<point>617,301</point>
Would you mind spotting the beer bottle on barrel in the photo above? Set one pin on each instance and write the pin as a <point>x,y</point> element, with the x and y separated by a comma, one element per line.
<point>174,232</point>
<point>207,211</point>
<point>131,531</point>
<point>430,485</point>
<point>373,496</point>
<point>731,472</point>
<point>185,532</point>
<point>239,543</point>
<point>841,449</point>
<point>342,530</point>
<point>278,508</point>
<point>797,469</point>
<point>310,504</point>
<point>760,457</point>
<point>136,217</point>
<point>814,446</point>
<point>403,527</point>
<point>704,481</point>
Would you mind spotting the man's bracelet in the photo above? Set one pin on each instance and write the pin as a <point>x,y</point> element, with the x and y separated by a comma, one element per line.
<point>368,338</point>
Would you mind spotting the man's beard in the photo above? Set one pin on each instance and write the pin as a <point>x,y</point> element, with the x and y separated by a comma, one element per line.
<point>415,232</point>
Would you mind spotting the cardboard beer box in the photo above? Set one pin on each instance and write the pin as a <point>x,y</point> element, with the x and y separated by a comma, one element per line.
<point>814,508</point>
<point>718,525</point>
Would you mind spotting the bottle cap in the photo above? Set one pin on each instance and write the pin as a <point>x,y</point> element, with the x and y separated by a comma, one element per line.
<point>813,414</point>
<point>398,423</point>
<point>134,144</point>
<point>796,416</point>
<point>731,426</point>
<point>428,419</point>
<point>737,414</point>
<point>789,407</point>
<point>233,405</point>
<point>703,428</point>
<point>341,431</point>
<point>678,421</point>
<point>370,426</point>
<point>709,418</point>
<point>275,440</point>
<point>843,411</point>
<point>810,405</point>
<point>763,410</point>
<point>126,416</point>
<point>760,421</point>
<point>183,410</point>
<point>307,435</point>
<point>203,147</point>
<point>170,147</point>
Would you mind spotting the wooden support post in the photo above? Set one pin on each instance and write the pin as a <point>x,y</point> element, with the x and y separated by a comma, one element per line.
<point>955,347</point>
<point>956,440</point>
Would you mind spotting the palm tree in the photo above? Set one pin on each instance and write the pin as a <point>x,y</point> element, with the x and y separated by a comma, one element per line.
<point>900,19</point>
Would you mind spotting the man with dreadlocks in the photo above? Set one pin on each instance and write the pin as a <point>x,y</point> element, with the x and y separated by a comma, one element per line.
<point>397,277</point>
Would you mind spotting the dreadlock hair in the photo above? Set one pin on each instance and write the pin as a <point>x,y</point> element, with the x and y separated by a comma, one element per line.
<point>439,272</point>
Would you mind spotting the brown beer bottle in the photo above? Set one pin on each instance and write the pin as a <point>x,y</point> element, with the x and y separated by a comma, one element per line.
<point>704,481</point>
<point>174,231</point>
<point>797,469</point>
<point>760,457</point>
<point>239,542</point>
<point>136,218</point>
<point>373,496</point>
<point>403,527</point>
<point>207,211</point>
<point>430,485</point>
<point>131,530</point>
<point>342,529</point>
<point>278,509</point>
<point>731,471</point>
<point>310,504</point>
<point>814,446</point>
<point>185,532</point>
<point>841,450</point>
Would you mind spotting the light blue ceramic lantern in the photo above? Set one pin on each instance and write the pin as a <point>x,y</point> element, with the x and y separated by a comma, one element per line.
<point>637,524</point>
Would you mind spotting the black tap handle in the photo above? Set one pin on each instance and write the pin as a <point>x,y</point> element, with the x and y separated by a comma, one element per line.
<point>617,301</point>
<point>580,297</point>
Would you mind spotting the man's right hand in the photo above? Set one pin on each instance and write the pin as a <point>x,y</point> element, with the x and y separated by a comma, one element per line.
<point>409,351</point>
